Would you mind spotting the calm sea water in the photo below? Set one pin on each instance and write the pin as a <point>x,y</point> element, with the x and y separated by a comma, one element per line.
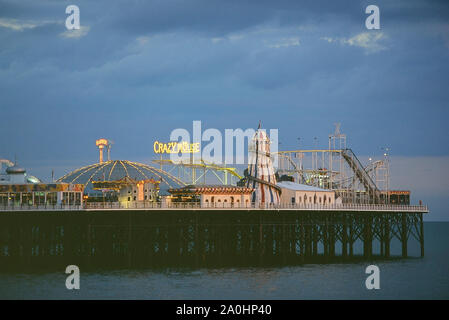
<point>412,278</point>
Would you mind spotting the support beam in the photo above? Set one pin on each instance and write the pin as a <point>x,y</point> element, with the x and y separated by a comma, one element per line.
<point>351,237</point>
<point>367,237</point>
<point>421,234</point>
<point>387,235</point>
<point>381,229</point>
<point>404,234</point>
<point>315,240</point>
<point>344,236</point>
<point>331,228</point>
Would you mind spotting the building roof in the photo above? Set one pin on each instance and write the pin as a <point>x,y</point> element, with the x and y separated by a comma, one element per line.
<point>40,187</point>
<point>404,192</point>
<point>12,169</point>
<point>118,184</point>
<point>15,169</point>
<point>216,189</point>
<point>115,170</point>
<point>299,187</point>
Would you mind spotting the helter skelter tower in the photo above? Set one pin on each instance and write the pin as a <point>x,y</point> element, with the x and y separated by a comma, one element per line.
<point>261,176</point>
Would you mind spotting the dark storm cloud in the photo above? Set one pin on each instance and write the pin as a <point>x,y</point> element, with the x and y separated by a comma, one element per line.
<point>222,17</point>
<point>114,25</point>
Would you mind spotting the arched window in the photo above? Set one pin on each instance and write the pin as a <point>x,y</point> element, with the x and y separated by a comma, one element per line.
<point>314,198</point>
<point>305,198</point>
<point>212,199</point>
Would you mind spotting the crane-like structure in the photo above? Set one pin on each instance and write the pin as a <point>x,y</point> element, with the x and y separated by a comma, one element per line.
<point>102,144</point>
<point>109,146</point>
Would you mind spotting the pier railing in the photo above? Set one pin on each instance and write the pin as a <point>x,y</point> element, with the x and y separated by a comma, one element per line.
<point>43,207</point>
<point>220,206</point>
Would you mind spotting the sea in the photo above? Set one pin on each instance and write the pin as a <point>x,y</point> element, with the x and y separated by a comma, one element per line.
<point>408,278</point>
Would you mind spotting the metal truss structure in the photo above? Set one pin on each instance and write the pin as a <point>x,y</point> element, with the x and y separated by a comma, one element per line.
<point>199,173</point>
<point>337,168</point>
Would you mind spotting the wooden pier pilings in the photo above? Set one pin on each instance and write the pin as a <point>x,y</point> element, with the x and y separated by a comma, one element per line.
<point>196,238</point>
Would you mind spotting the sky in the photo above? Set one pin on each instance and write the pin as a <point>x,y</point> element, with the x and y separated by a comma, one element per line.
<point>136,70</point>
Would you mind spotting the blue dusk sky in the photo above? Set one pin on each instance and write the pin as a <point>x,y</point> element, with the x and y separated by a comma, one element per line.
<point>136,70</point>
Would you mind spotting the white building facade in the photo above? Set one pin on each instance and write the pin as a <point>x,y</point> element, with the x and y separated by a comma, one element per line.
<point>301,194</point>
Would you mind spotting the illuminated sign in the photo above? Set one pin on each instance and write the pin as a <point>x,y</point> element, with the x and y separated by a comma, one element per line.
<point>399,192</point>
<point>101,142</point>
<point>176,147</point>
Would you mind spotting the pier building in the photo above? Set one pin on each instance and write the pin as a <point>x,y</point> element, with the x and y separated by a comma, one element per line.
<point>143,190</point>
<point>212,195</point>
<point>127,190</point>
<point>15,174</point>
<point>41,194</point>
<point>296,193</point>
<point>397,196</point>
<point>17,189</point>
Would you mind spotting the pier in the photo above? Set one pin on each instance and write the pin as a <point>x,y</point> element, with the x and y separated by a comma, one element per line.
<point>104,236</point>
<point>318,206</point>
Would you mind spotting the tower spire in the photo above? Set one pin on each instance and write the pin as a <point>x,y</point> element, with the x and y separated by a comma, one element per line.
<point>260,175</point>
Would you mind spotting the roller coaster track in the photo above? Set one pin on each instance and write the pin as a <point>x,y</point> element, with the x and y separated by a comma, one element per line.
<point>369,168</point>
<point>361,174</point>
<point>373,166</point>
<point>296,169</point>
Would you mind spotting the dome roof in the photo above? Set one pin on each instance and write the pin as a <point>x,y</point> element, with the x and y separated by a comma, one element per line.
<point>117,169</point>
<point>15,169</point>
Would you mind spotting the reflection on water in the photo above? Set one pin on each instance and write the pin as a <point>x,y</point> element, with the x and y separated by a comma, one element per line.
<point>399,280</point>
